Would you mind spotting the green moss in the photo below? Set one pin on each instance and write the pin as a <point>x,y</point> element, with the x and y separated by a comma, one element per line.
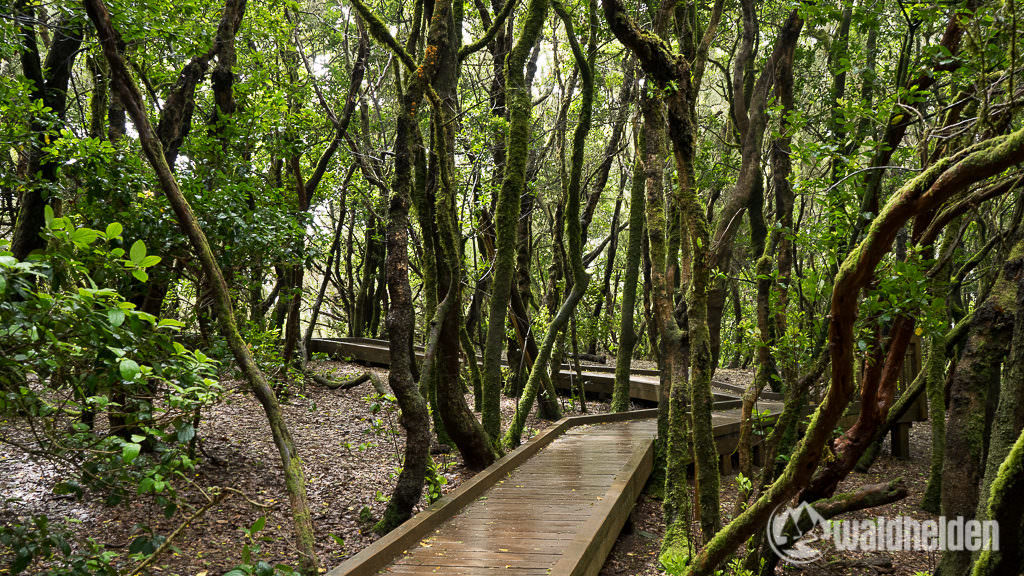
<point>1004,491</point>
<point>507,211</point>
<point>676,550</point>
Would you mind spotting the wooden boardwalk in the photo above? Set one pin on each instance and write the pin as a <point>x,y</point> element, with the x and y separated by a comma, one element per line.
<point>643,384</point>
<point>554,506</point>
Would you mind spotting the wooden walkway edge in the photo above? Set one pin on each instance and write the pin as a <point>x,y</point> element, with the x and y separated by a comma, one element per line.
<point>643,385</point>
<point>589,547</point>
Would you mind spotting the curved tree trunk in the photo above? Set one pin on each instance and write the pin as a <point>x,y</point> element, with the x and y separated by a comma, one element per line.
<point>290,461</point>
<point>50,84</point>
<point>974,384</point>
<point>517,151</point>
<point>573,231</point>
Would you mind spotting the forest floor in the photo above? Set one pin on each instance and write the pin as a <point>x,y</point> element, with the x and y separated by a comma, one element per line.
<point>636,551</point>
<point>350,452</point>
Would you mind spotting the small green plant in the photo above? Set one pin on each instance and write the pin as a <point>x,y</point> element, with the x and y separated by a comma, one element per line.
<point>384,421</point>
<point>250,566</point>
<point>366,515</point>
<point>435,481</point>
<point>38,541</point>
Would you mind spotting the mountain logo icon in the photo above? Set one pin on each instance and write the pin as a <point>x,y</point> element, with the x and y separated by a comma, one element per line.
<point>792,531</point>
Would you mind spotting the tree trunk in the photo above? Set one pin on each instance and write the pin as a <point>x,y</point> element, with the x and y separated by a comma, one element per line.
<point>50,83</point>
<point>513,182</point>
<point>627,334</point>
<point>290,461</point>
<point>972,384</point>
<point>459,421</point>
<point>1009,414</point>
<point>573,231</point>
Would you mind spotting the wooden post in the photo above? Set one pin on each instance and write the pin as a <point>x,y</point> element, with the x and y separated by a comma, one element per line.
<point>725,464</point>
<point>901,440</point>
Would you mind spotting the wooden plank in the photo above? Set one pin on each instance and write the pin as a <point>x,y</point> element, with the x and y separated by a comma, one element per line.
<point>588,550</point>
<point>483,559</point>
<point>380,553</point>
<point>466,571</point>
<point>900,440</point>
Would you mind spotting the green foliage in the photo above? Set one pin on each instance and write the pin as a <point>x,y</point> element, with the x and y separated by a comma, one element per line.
<point>435,480</point>
<point>95,354</point>
<point>51,550</point>
<point>384,421</point>
<point>366,515</point>
<point>250,565</point>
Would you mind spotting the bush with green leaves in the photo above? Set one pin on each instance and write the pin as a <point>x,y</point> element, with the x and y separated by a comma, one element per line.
<point>100,387</point>
<point>39,539</point>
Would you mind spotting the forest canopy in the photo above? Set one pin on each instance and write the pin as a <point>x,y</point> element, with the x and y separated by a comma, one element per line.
<point>196,196</point>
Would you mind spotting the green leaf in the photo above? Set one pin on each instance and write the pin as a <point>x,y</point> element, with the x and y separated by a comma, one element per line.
<point>140,275</point>
<point>138,437</point>
<point>116,317</point>
<point>130,451</point>
<point>114,230</point>
<point>63,488</point>
<point>84,236</point>
<point>149,261</point>
<point>258,524</point>
<point>129,369</point>
<point>48,214</point>
<point>186,433</point>
<point>138,252</point>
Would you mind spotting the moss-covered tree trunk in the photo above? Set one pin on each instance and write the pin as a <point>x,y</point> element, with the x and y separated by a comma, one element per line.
<point>627,333</point>
<point>459,422</point>
<point>1005,506</point>
<point>935,387</point>
<point>290,461</point>
<point>1008,419</point>
<point>49,78</point>
<point>573,232</point>
<point>678,76</point>
<point>517,150</point>
<point>401,322</point>
<point>972,385</point>
<point>938,183</point>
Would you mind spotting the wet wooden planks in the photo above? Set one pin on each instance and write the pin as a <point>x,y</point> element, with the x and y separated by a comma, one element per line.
<point>554,506</point>
<point>532,520</point>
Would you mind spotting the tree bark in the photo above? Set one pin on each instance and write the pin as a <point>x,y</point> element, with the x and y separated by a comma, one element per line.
<point>973,385</point>
<point>507,209</point>
<point>49,85</point>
